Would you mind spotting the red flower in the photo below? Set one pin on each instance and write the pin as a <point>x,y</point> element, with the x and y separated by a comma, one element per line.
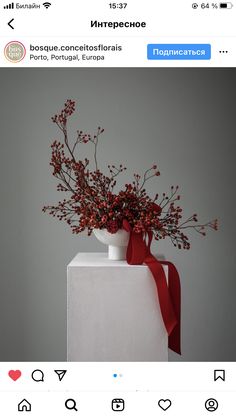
<point>92,203</point>
<point>112,226</point>
<point>156,208</point>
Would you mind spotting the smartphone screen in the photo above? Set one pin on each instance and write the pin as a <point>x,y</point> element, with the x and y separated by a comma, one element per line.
<point>117,273</point>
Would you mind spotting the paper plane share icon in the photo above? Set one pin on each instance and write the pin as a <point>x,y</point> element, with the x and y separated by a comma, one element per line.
<point>60,373</point>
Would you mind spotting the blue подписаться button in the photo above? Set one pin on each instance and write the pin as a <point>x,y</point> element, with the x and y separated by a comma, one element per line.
<point>179,51</point>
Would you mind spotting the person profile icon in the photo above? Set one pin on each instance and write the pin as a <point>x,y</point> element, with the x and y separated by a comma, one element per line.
<point>211,405</point>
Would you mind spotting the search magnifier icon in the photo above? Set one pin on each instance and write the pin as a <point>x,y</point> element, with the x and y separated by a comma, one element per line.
<point>71,404</point>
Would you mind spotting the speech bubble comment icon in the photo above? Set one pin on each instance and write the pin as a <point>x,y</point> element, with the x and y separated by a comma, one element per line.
<point>38,376</point>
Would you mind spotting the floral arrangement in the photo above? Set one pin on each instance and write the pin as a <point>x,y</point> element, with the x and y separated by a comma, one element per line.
<point>92,202</point>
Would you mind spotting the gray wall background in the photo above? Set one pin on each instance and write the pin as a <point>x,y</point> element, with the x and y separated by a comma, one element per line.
<point>183,119</point>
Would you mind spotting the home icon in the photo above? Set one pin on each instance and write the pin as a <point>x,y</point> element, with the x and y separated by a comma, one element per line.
<point>24,406</point>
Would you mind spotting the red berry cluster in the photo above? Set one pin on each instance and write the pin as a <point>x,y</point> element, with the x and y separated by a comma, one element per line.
<point>92,202</point>
<point>68,110</point>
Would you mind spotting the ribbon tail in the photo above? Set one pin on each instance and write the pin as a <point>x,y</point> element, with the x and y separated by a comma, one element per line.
<point>175,295</point>
<point>138,252</point>
<point>166,306</point>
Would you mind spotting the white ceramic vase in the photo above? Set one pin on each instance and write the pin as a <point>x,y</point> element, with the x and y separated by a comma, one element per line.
<point>117,242</point>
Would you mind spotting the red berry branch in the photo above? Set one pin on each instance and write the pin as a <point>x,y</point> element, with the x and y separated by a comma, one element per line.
<point>92,203</point>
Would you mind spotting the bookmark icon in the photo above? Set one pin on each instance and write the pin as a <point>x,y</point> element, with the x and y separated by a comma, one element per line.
<point>219,375</point>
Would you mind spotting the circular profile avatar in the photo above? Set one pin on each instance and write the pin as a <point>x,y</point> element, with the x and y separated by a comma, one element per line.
<point>14,51</point>
<point>211,405</point>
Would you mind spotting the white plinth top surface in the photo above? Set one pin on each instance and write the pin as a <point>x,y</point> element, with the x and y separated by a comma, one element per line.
<point>101,259</point>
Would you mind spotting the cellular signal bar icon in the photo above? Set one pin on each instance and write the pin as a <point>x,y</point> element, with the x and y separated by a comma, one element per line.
<point>9,6</point>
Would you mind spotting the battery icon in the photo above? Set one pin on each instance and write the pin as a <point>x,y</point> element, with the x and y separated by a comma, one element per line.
<point>227,5</point>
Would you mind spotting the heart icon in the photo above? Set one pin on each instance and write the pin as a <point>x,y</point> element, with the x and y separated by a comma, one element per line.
<point>164,404</point>
<point>14,374</point>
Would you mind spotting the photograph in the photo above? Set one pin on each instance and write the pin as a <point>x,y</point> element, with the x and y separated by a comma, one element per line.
<point>117,210</point>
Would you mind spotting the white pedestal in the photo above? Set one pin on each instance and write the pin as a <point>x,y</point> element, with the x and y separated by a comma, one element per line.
<point>113,311</point>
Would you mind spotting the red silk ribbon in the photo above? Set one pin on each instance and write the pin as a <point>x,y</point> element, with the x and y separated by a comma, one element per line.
<point>138,252</point>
